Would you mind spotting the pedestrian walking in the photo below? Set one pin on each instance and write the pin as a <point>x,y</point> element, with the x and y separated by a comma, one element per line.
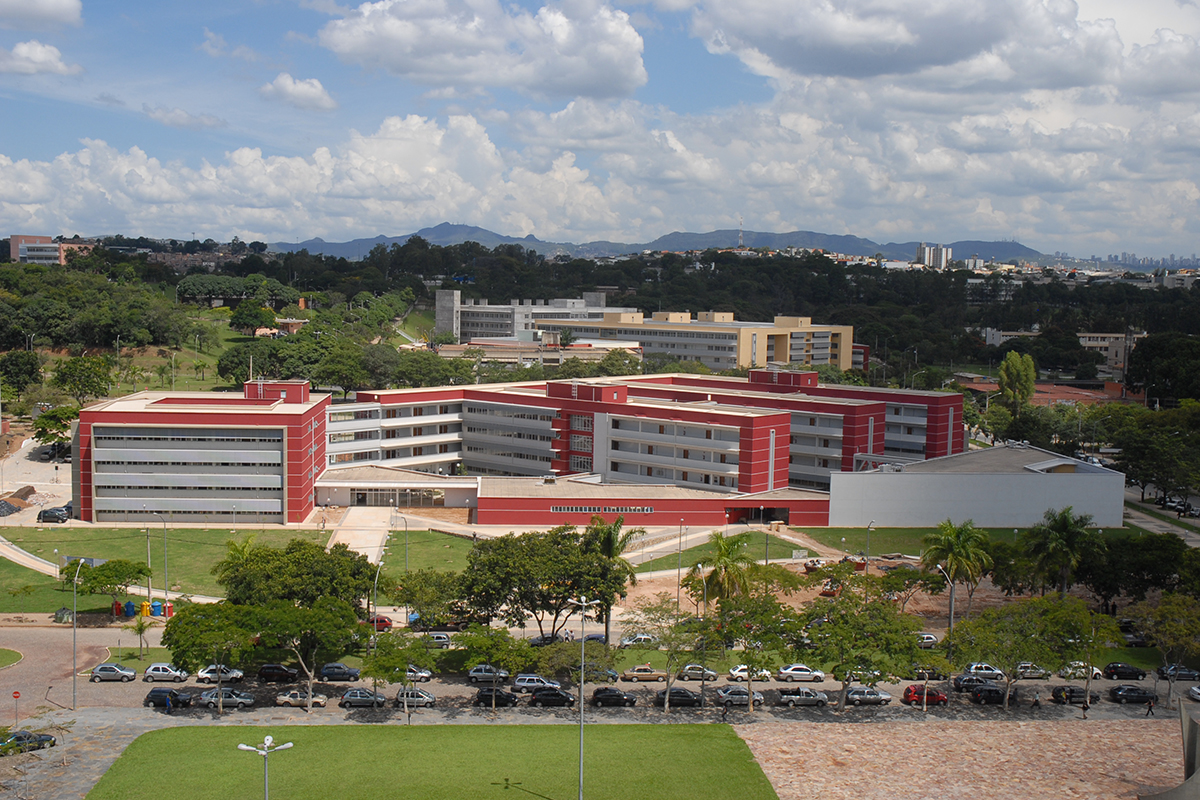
<point>1085,708</point>
<point>168,705</point>
<point>724,712</point>
<point>1150,709</point>
<point>1037,700</point>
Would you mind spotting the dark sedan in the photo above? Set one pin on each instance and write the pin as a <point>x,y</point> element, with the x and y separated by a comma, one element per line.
<point>52,515</point>
<point>277,673</point>
<point>993,695</point>
<point>1128,693</point>
<point>1178,672</point>
<point>1120,671</point>
<point>1073,695</point>
<point>612,696</point>
<point>495,695</point>
<point>679,697</point>
<point>24,741</point>
<point>969,683</point>
<point>552,697</point>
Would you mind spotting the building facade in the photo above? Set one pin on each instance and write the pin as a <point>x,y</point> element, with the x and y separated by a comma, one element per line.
<point>473,319</point>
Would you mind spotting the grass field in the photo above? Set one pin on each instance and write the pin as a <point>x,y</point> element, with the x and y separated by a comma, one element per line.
<point>779,549</point>
<point>8,657</point>
<point>690,762</point>
<point>191,552</point>
<point>909,540</point>
<point>418,323</point>
<point>426,550</point>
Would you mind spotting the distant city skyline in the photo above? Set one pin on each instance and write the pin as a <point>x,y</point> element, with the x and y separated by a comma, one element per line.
<point>1068,127</point>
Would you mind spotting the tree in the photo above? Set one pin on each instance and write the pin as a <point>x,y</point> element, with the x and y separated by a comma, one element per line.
<point>960,550</point>
<point>495,646</point>
<point>343,366</point>
<point>301,573</point>
<point>328,627</point>
<point>673,630</point>
<point>1165,365</point>
<point>619,362</point>
<point>612,542</point>
<point>393,654</point>
<point>82,377</point>
<point>1057,544</point>
<point>429,594</point>
<point>113,577</point>
<point>1173,626</point>
<point>20,369</point>
<point>756,622</point>
<point>20,594</point>
<point>54,426</point>
<point>1016,378</point>
<point>249,316</point>
<point>725,569</point>
<point>139,628</point>
<point>903,583</point>
<point>219,633</point>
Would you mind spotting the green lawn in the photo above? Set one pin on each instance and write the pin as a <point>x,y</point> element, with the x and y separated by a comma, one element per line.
<point>8,657</point>
<point>689,762</point>
<point>426,550</point>
<point>418,323</point>
<point>127,653</point>
<point>191,552</point>
<point>779,549</point>
<point>909,540</point>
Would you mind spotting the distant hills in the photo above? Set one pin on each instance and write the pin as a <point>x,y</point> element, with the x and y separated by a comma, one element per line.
<point>448,234</point>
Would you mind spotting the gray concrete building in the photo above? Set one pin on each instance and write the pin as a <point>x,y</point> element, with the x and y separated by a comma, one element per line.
<point>477,318</point>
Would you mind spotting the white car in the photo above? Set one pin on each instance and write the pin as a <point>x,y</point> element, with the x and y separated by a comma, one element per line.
<point>1077,670</point>
<point>982,670</point>
<point>165,672</point>
<point>438,640</point>
<point>1194,693</point>
<point>799,672</point>
<point>638,640</point>
<point>227,674</point>
<point>1027,670</point>
<point>417,674</point>
<point>926,640</point>
<point>741,672</point>
<point>531,683</point>
<point>298,698</point>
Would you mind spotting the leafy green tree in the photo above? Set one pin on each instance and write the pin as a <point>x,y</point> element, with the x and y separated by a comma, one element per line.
<point>619,362</point>
<point>430,594</point>
<point>1058,542</point>
<point>113,577</point>
<point>962,551</point>
<point>249,316</point>
<point>391,657</point>
<point>612,543</point>
<point>1166,365</point>
<point>20,594</point>
<point>572,368</point>
<point>561,660</point>
<point>54,426</point>
<point>139,628</point>
<point>82,377</point>
<point>424,368</point>
<point>1079,634</point>
<point>725,570</point>
<point>327,628</point>
<point>343,366</point>
<point>903,583</point>
<point>1012,571</point>
<point>217,633</point>
<point>755,621</point>
<point>674,632</point>
<point>381,362</point>
<point>495,646</point>
<point>1016,378</point>
<point>301,573</point>
<point>1173,626</point>
<point>20,369</point>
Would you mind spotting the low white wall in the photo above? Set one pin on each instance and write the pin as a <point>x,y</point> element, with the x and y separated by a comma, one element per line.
<point>916,500</point>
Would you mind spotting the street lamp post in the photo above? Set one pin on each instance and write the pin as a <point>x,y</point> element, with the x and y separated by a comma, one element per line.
<point>149,566</point>
<point>679,567</point>
<point>950,633</point>
<point>404,519</point>
<point>870,525</point>
<point>166,577</point>
<point>762,518</point>
<point>583,604</point>
<point>268,747</point>
<point>75,630</point>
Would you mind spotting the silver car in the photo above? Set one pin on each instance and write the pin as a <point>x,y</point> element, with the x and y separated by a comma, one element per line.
<point>802,696</point>
<point>164,672</point>
<point>226,698</point>
<point>799,672</point>
<point>866,696</point>
<point>227,674</point>
<point>417,674</point>
<point>531,683</point>
<point>112,672</point>
<point>415,698</point>
<point>737,696</point>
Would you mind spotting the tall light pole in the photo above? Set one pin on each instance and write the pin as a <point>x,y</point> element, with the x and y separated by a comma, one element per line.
<point>149,567</point>
<point>583,604</point>
<point>679,568</point>
<point>75,630</point>
<point>404,519</point>
<point>950,633</point>
<point>166,581</point>
<point>268,747</point>
<point>870,525</point>
<point>762,518</point>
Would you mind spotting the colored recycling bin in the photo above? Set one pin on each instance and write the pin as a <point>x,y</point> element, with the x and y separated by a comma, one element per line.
<point>145,609</point>
<point>117,610</point>
<point>130,608</point>
<point>156,609</point>
<point>170,610</point>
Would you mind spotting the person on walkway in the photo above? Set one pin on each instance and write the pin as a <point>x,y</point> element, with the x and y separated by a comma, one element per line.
<point>168,705</point>
<point>1150,708</point>
<point>1085,708</point>
<point>1037,700</point>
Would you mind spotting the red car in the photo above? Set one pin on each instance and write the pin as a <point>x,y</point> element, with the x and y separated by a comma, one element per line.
<point>917,694</point>
<point>380,623</point>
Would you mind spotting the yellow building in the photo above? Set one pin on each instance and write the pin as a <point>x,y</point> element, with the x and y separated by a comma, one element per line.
<point>714,339</point>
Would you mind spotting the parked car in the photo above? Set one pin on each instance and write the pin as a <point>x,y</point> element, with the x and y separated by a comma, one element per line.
<point>227,674</point>
<point>865,695</point>
<point>541,640</point>
<point>741,672</point>
<point>679,697</point>
<point>417,674</point>
<point>1119,670</point>
<point>532,683</point>
<point>112,672</point>
<point>594,674</point>
<point>1073,695</point>
<point>1129,693</point>
<point>25,741</point>
<point>926,640</point>
<point>596,637</point>
<point>799,672</point>
<point>158,697</point>
<point>696,672</point>
<point>227,697</point>
<point>638,640</point>
<point>415,698</point>
<point>993,694</point>
<point>643,672</point>
<point>918,694</point>
<point>439,641</point>
<point>1027,670</point>
<point>968,683</point>
<point>339,672</point>
<point>380,623</point>
<point>802,696</point>
<point>277,673</point>
<point>552,696</point>
<point>984,670</point>
<point>612,696</point>
<point>1134,639</point>
<point>164,672</point>
<point>53,515</point>
<point>486,673</point>
<point>923,672</point>
<point>489,695</point>
<point>1077,670</point>
<point>298,698</point>
<point>1194,693</point>
<point>1178,672</point>
<point>729,696</point>
<point>361,698</point>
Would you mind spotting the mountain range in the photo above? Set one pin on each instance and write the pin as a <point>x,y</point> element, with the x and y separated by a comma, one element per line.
<point>448,234</point>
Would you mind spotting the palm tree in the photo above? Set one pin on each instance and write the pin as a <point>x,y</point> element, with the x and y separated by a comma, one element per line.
<point>1058,543</point>
<point>612,542</point>
<point>960,552</point>
<point>727,565</point>
<point>236,555</point>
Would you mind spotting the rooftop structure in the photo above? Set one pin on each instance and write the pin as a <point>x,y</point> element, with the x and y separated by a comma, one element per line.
<point>472,319</point>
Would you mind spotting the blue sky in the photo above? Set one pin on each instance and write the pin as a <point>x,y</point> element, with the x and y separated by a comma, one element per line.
<point>1068,125</point>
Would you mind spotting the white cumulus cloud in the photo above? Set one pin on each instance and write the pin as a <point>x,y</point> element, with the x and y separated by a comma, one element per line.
<point>23,14</point>
<point>178,118</point>
<point>33,57</point>
<point>566,49</point>
<point>215,45</point>
<point>306,93</point>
